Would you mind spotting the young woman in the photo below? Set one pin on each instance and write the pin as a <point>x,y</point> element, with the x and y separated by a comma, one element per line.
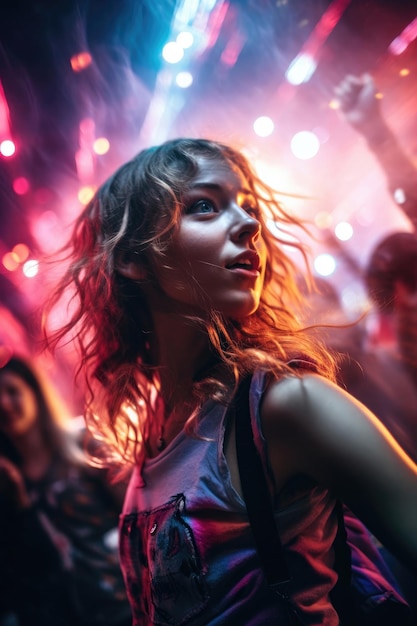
<point>181,290</point>
<point>58,562</point>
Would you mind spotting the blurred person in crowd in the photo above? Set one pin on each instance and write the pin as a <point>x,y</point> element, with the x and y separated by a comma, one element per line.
<point>390,277</point>
<point>379,352</point>
<point>391,280</point>
<point>58,515</point>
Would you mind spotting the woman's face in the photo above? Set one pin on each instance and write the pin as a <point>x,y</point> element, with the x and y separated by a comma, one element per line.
<point>18,405</point>
<point>218,248</point>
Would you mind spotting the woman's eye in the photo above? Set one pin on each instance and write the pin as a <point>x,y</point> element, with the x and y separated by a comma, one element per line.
<point>202,206</point>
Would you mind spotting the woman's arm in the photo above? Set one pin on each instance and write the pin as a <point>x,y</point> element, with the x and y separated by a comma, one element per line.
<point>362,111</point>
<point>315,428</point>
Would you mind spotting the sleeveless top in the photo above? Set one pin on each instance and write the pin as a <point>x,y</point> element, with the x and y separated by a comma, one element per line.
<point>187,553</point>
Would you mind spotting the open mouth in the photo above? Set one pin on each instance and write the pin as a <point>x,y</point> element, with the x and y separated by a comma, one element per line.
<point>245,265</point>
<point>248,261</point>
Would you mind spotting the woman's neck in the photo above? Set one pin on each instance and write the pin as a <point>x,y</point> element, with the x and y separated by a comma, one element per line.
<point>182,350</point>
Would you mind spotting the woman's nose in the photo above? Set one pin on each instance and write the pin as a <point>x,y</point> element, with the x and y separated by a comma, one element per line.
<point>245,226</point>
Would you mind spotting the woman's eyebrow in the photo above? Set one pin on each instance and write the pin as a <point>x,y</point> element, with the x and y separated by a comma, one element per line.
<point>203,185</point>
<point>220,188</point>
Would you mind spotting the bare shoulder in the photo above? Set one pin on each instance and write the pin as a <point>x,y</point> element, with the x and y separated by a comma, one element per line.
<point>312,399</point>
<point>295,401</point>
<point>323,431</point>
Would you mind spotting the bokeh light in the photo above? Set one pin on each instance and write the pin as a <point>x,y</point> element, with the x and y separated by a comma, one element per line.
<point>101,145</point>
<point>343,231</point>
<point>31,268</point>
<point>399,195</point>
<point>80,61</point>
<point>21,185</point>
<point>301,69</point>
<point>86,193</point>
<point>21,251</point>
<point>184,79</point>
<point>324,264</point>
<point>185,39</point>
<point>305,145</point>
<point>263,126</point>
<point>7,148</point>
<point>10,261</point>
<point>172,52</point>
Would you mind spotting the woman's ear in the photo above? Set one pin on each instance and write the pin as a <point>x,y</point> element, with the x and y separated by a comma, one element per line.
<point>130,265</point>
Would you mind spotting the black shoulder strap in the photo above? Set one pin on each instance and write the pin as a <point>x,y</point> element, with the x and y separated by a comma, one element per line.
<point>256,493</point>
<point>259,503</point>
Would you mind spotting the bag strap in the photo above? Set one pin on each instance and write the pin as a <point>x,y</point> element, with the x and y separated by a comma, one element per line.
<point>259,507</point>
<point>256,494</point>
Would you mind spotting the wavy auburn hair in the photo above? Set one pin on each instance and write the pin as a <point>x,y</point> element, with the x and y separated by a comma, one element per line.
<point>136,211</point>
